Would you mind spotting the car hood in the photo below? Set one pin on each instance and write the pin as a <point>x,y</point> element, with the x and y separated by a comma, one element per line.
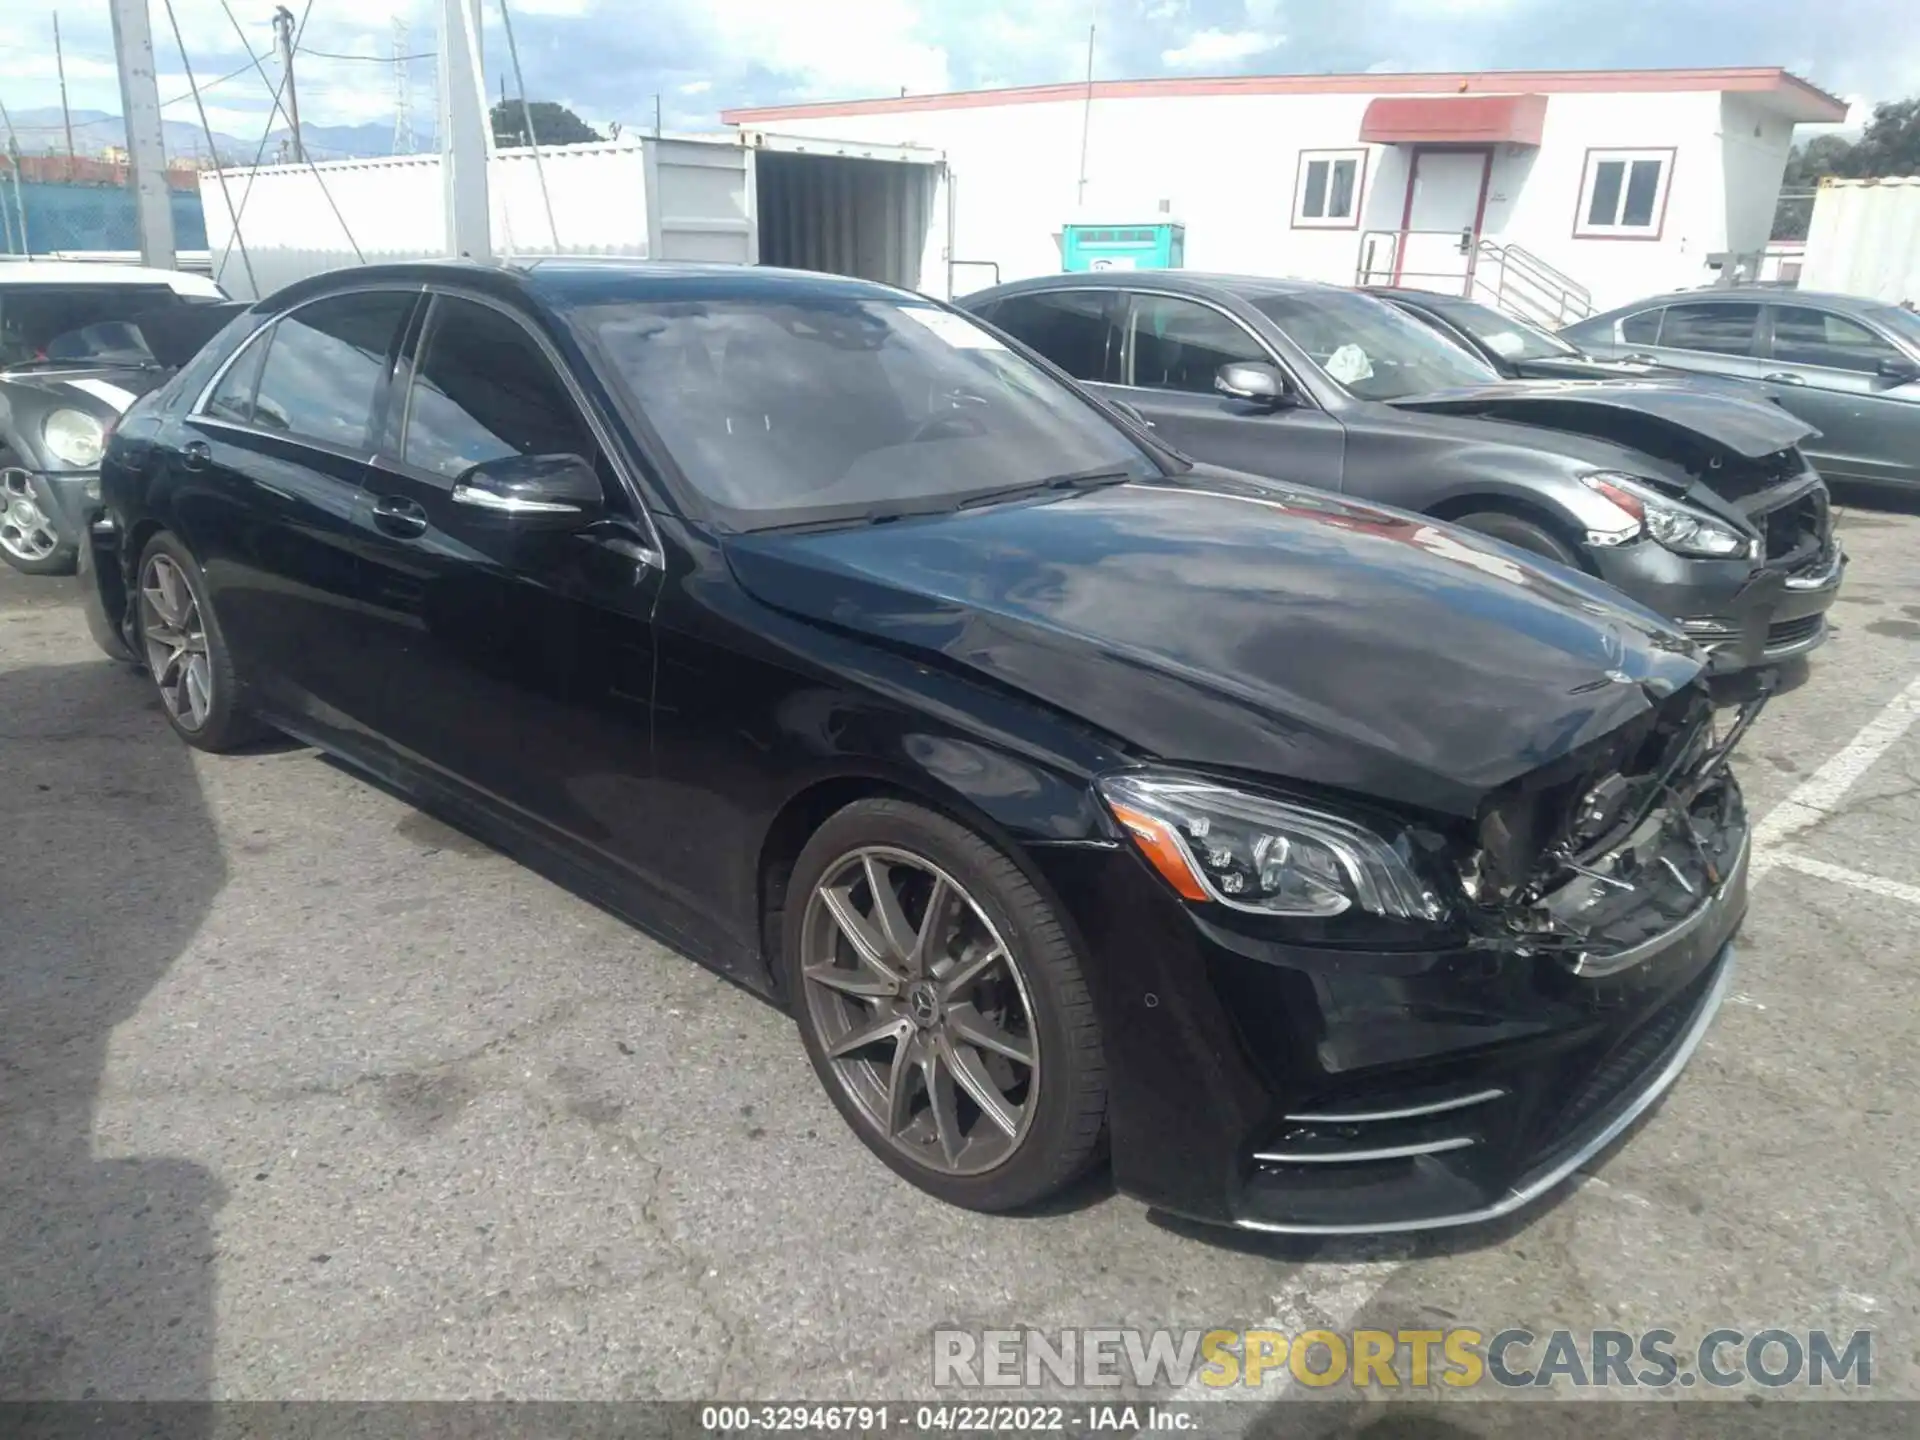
<point>1230,623</point>
<point>1748,427</point>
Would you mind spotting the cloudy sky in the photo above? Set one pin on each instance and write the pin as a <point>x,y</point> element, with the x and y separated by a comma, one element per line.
<point>609,58</point>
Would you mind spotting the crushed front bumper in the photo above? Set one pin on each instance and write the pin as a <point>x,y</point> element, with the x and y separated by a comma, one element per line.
<point>1741,613</point>
<point>1303,1089</point>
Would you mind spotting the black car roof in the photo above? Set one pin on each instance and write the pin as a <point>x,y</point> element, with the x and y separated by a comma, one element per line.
<point>1189,282</point>
<point>564,281</point>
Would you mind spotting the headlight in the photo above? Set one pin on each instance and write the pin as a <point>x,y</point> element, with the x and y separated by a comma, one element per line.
<point>1267,856</point>
<point>74,437</point>
<point>1680,527</point>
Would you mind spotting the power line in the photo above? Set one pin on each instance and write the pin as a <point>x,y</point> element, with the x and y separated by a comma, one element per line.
<point>526,112</point>
<point>252,60</point>
<point>369,59</point>
<point>233,217</point>
<point>293,43</point>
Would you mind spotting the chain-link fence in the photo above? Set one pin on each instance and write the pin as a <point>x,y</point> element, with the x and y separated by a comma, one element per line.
<point>85,217</point>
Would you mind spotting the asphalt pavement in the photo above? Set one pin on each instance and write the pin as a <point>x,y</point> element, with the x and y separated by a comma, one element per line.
<point>305,1095</point>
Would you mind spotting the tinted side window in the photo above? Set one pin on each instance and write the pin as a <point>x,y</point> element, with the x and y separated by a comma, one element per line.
<point>1819,337</point>
<point>323,366</point>
<point>1719,329</point>
<point>1072,328</point>
<point>1642,329</point>
<point>232,398</point>
<point>484,390</point>
<point>1181,344</point>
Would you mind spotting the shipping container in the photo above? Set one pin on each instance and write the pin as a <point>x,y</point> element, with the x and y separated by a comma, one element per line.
<point>875,211</point>
<point>1864,239</point>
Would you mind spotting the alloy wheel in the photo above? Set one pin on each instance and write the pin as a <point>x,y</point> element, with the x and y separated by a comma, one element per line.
<point>176,642</point>
<point>924,1017</point>
<point>25,531</point>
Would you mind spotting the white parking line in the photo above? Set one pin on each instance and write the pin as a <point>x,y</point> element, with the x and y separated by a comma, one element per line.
<point>1819,795</point>
<point>1335,1294</point>
<point>1840,874</point>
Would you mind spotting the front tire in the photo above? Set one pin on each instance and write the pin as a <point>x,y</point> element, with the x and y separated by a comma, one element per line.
<point>943,1007</point>
<point>30,540</point>
<point>182,647</point>
<point>1524,534</point>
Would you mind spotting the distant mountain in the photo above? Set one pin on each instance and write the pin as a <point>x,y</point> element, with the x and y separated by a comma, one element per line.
<point>40,132</point>
<point>350,142</point>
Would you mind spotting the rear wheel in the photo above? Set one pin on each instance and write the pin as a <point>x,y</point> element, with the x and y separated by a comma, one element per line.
<point>1523,533</point>
<point>943,1007</point>
<point>181,644</point>
<point>29,540</point>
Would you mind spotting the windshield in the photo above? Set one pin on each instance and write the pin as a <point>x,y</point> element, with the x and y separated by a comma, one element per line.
<point>77,324</point>
<point>1507,337</point>
<point>789,409</point>
<point>1369,347</point>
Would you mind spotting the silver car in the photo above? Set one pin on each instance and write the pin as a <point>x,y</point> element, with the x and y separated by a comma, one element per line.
<point>1847,365</point>
<point>1697,504</point>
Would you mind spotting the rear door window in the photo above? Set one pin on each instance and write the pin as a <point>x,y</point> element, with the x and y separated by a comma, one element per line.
<point>1074,329</point>
<point>232,398</point>
<point>1642,329</point>
<point>1805,336</point>
<point>1719,329</point>
<point>323,367</point>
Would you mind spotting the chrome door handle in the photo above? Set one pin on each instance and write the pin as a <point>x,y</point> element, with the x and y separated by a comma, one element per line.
<point>1781,377</point>
<point>401,518</point>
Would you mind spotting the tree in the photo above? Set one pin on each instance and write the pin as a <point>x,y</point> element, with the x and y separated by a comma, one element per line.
<point>1890,145</point>
<point>552,124</point>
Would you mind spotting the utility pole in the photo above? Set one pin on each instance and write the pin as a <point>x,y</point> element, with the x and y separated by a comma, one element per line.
<point>146,149</point>
<point>283,33</point>
<point>463,128</point>
<point>60,68</point>
<point>1086,112</point>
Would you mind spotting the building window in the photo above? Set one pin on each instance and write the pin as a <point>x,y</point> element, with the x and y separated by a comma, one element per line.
<point>1624,192</point>
<point>1326,191</point>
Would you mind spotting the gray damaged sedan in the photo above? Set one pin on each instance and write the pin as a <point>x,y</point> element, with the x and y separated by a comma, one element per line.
<point>1701,506</point>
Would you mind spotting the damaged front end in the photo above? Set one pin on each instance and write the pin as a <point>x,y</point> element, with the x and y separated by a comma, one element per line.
<point>1620,850</point>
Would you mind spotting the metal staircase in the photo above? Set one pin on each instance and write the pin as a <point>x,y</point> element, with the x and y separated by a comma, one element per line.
<point>1510,278</point>
<point>1514,279</point>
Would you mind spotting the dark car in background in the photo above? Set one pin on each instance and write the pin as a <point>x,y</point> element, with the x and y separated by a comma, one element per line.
<point>1847,365</point>
<point>73,356</point>
<point>1327,869</point>
<point>1700,506</point>
<point>1520,350</point>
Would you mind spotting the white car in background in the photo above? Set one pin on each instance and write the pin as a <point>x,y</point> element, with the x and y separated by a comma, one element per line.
<point>72,358</point>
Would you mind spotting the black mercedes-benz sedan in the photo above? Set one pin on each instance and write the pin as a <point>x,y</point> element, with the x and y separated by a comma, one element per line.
<point>1322,867</point>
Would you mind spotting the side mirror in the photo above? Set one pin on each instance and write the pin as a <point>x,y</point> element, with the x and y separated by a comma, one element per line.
<point>1898,369</point>
<point>1256,382</point>
<point>544,492</point>
<point>1132,413</point>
